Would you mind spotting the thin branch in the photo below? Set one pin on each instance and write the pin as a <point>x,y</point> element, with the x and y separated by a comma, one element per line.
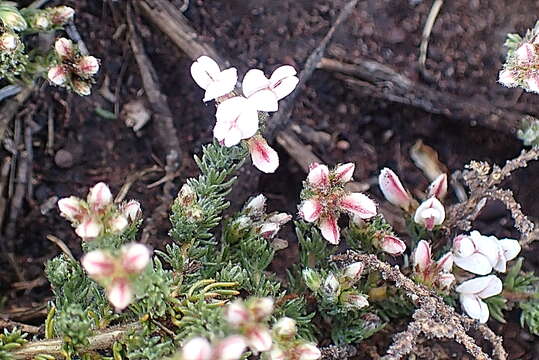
<point>425,37</point>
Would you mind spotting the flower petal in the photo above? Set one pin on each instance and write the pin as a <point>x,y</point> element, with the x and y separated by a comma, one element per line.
<point>431,212</point>
<point>57,75</point>
<point>120,294</point>
<point>488,246</point>
<point>204,71</point>
<point>446,262</point>
<point>236,314</point>
<point>392,245</point>
<point>263,156</point>
<point>197,348</point>
<point>282,72</point>
<point>247,122</point>
<point>308,352</point>
<point>392,189</point>
<point>463,245</point>
<point>99,196</point>
<point>284,87</point>
<point>473,306</point>
<point>438,188</point>
<point>510,247</point>
<point>224,84</point>
<point>318,175</point>
<point>89,229</point>
<point>230,348</point>
<point>254,81</point>
<point>422,257</point>
<point>358,204</point>
<point>476,263</point>
<point>135,257</point>
<point>71,208</point>
<point>264,100</point>
<point>259,339</point>
<point>310,210</point>
<point>344,173</point>
<point>97,263</point>
<point>330,229</point>
<point>494,287</point>
<point>475,285</point>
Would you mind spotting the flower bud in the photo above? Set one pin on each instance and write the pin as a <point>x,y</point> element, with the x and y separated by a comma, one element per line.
<point>422,258</point>
<point>430,213</point>
<point>261,308</point>
<point>231,348</point>
<point>285,328</point>
<point>118,223</point>
<point>269,230</point>
<point>256,205</point>
<point>354,271</point>
<point>187,196</point>
<point>8,42</point>
<point>393,190</point>
<point>57,75</point>
<point>312,279</point>
<point>331,286</point>
<point>135,257</point>
<point>280,218</point>
<point>438,188</point>
<point>41,22</point>
<point>64,48</point>
<point>308,352</point>
<point>87,66</point>
<point>259,339</point>
<point>236,314</point>
<point>12,19</point>
<point>99,196</point>
<point>89,229</point>
<point>82,88</point>
<point>62,15</point>
<point>71,208</point>
<point>392,245</point>
<point>197,348</point>
<point>131,210</point>
<point>344,173</point>
<point>357,301</point>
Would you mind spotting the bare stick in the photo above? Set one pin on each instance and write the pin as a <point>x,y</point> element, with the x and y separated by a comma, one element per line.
<point>431,18</point>
<point>58,242</point>
<point>9,324</point>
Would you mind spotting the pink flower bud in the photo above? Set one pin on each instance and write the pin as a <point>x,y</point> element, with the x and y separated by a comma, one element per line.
<point>259,339</point>
<point>120,294</point>
<point>422,258</point>
<point>236,314</point>
<point>71,208</point>
<point>533,83</point>
<point>135,257</point>
<point>99,196</point>
<point>263,156</point>
<point>118,223</point>
<point>231,348</point>
<point>430,213</point>
<point>89,229</point>
<point>357,301</point>
<point>330,229</point>
<point>445,281</point>
<point>438,188</point>
<point>318,175</point>
<point>57,75</point>
<point>358,205</point>
<point>261,308</point>
<point>393,190</point>
<point>80,87</point>
<point>8,42</point>
<point>392,245</point>
<point>64,48</point>
<point>42,22</point>
<point>310,210</point>
<point>331,286</point>
<point>269,230</point>
<point>280,218</point>
<point>98,264</point>
<point>308,352</point>
<point>354,271</point>
<point>87,66</point>
<point>131,210</point>
<point>344,173</point>
<point>196,349</point>
<point>525,53</point>
<point>62,15</point>
<point>256,205</point>
<point>507,78</point>
<point>285,328</point>
<point>445,263</point>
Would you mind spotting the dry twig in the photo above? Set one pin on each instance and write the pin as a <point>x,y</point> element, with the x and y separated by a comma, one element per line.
<point>425,37</point>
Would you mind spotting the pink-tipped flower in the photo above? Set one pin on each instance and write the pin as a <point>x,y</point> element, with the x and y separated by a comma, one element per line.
<point>330,229</point>
<point>64,48</point>
<point>392,245</point>
<point>98,264</point>
<point>62,14</point>
<point>269,230</point>
<point>87,66</point>
<point>131,210</point>
<point>119,223</point>
<point>263,156</point>
<point>472,292</point>
<point>120,294</point>
<point>280,218</point>
<point>438,188</point>
<point>344,173</point>
<point>236,314</point>
<point>71,208</point>
<point>259,339</point>
<point>310,210</point>
<point>354,271</point>
<point>261,308</point>
<point>507,78</point>
<point>237,119</point>
<point>135,257</point>
<point>393,190</point>
<point>207,74</point>
<point>57,75</point>
<point>265,93</point>
<point>318,176</point>
<point>285,328</point>
<point>230,348</point>
<point>89,228</point>
<point>197,348</point>
<point>256,205</point>
<point>308,352</point>
<point>8,42</point>
<point>356,301</point>
<point>359,205</point>
<point>433,274</point>
<point>430,213</point>
<point>422,257</point>
<point>525,53</point>
<point>99,196</point>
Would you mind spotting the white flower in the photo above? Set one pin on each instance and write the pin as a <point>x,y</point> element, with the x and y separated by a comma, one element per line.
<point>393,190</point>
<point>42,22</point>
<point>57,75</point>
<point>8,42</point>
<point>330,229</point>
<point>265,93</point>
<point>318,175</point>
<point>308,352</point>
<point>344,173</point>
<point>256,205</point>
<point>209,77</point>
<point>99,196</point>
<point>197,348</point>
<point>236,313</point>
<point>131,210</point>
<point>71,208</point>
<point>135,257</point>
<point>354,271</point>
<point>119,223</point>
<point>230,348</point>
<point>525,53</point>
<point>87,66</point>
<point>89,228</point>
<point>430,213</point>
<point>472,292</point>
<point>358,204</point>
<point>237,119</point>
<point>264,157</point>
<point>98,264</point>
<point>64,47</point>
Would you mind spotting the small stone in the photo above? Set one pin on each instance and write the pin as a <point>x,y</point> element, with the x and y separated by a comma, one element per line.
<point>343,145</point>
<point>63,159</point>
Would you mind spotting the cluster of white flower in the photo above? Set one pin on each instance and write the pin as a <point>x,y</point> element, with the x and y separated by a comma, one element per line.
<point>237,116</point>
<point>480,254</point>
<point>521,67</point>
<point>267,225</point>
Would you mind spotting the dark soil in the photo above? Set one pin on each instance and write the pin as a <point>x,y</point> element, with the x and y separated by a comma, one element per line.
<point>465,54</point>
